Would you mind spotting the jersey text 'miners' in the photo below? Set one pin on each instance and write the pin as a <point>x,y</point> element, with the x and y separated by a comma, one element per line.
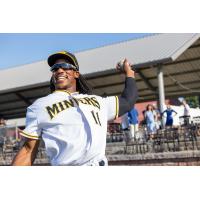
<point>56,108</point>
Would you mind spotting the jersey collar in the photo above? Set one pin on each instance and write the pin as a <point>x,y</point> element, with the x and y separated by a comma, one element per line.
<point>65,91</point>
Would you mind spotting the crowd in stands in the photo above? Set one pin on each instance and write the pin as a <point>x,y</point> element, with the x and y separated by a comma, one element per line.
<point>153,120</point>
<point>9,137</point>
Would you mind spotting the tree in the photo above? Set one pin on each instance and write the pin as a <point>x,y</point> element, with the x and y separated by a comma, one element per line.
<point>193,101</point>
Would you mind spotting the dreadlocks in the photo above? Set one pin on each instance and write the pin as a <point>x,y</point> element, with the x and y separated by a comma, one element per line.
<point>81,85</point>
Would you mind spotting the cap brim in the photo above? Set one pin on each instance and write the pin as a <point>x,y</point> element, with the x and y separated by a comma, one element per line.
<point>51,60</point>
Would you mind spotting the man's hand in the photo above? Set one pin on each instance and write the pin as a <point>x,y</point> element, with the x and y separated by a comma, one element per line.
<point>125,67</point>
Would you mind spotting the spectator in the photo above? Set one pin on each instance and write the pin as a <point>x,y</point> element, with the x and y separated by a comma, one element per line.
<point>133,122</point>
<point>186,115</point>
<point>2,122</point>
<point>169,111</point>
<point>143,122</point>
<point>157,118</point>
<point>2,129</point>
<point>150,117</point>
<point>186,108</point>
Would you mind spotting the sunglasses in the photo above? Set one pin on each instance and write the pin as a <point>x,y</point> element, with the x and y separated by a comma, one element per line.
<point>62,65</point>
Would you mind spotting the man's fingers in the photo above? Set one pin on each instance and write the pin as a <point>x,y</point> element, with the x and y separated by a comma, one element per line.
<point>126,62</point>
<point>123,65</point>
<point>118,66</point>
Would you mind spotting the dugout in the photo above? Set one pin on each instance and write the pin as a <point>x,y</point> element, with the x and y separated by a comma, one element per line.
<point>168,65</point>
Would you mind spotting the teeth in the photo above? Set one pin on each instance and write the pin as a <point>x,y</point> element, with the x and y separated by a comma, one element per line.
<point>61,78</point>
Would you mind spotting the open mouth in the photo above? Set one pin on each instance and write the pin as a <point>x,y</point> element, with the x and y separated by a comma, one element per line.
<point>61,78</point>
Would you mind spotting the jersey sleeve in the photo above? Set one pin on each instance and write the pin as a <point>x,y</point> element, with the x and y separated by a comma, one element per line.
<point>32,130</point>
<point>112,107</point>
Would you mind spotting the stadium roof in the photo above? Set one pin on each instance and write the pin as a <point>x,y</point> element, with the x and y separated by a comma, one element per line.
<point>179,54</point>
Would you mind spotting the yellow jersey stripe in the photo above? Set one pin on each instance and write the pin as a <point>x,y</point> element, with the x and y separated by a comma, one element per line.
<point>117,107</point>
<point>28,135</point>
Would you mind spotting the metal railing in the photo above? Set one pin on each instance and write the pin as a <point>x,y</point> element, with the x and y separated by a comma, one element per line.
<point>11,143</point>
<point>184,138</point>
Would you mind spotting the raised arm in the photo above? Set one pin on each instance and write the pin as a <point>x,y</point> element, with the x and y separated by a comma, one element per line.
<point>27,154</point>
<point>162,113</point>
<point>174,112</point>
<point>130,94</point>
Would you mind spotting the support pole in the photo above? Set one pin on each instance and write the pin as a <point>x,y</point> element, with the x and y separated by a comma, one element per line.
<point>161,90</point>
<point>199,101</point>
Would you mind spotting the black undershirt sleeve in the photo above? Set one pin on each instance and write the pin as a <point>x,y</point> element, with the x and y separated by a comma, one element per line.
<point>128,97</point>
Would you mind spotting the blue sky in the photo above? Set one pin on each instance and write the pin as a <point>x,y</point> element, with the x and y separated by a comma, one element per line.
<point>18,49</point>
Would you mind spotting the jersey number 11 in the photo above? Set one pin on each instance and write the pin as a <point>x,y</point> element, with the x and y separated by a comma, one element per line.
<point>96,117</point>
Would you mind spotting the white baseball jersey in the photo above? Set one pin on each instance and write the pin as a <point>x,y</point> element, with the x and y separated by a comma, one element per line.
<point>73,126</point>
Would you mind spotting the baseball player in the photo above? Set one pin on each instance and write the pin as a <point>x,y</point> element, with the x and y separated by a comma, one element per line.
<point>71,120</point>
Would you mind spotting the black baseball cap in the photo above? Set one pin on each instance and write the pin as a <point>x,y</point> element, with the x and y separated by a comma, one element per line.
<point>63,55</point>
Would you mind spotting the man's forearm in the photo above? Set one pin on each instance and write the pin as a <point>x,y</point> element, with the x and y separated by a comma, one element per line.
<point>128,97</point>
<point>130,93</point>
<point>23,158</point>
<point>27,155</point>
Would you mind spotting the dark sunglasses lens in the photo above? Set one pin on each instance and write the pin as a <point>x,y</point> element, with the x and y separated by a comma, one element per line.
<point>54,68</point>
<point>63,65</point>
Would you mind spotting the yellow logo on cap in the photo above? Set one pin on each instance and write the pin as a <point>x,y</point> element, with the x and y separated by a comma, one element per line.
<point>67,54</point>
<point>63,52</point>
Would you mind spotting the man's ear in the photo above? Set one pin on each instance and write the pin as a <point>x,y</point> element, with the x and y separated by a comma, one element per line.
<point>76,74</point>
